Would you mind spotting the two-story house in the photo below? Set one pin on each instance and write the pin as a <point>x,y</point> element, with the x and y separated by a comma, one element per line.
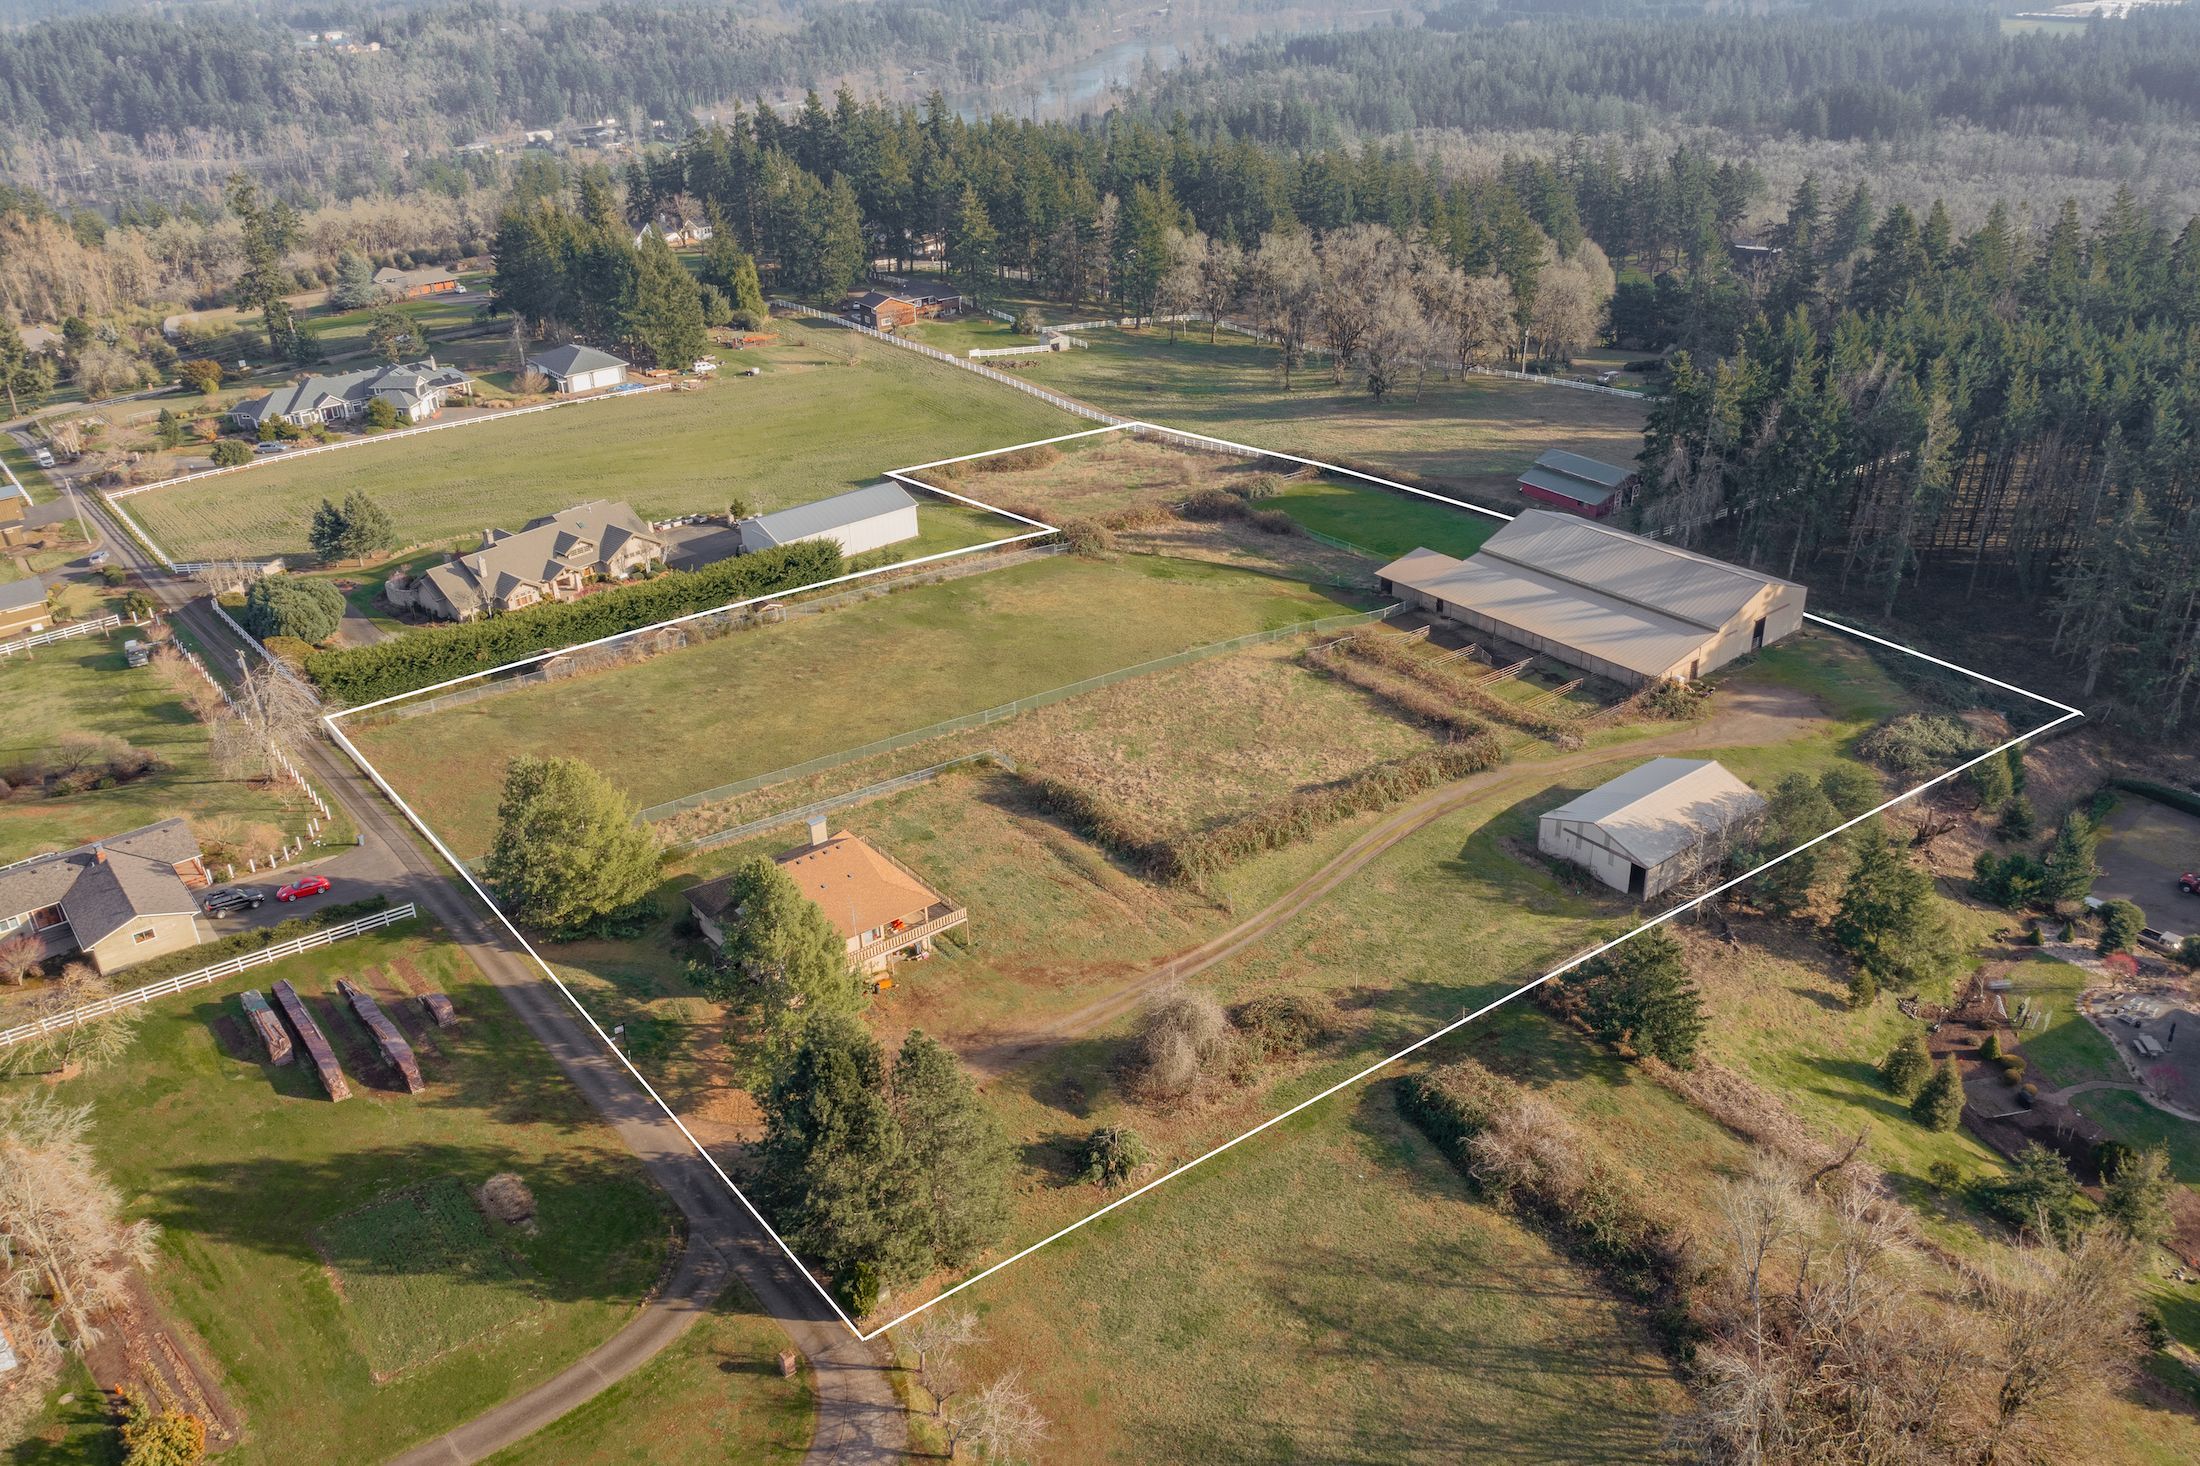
<point>551,559</point>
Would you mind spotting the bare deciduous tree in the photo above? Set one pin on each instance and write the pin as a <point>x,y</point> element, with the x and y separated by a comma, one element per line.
<point>65,1251</point>
<point>1286,288</point>
<point>270,711</point>
<point>1002,1422</point>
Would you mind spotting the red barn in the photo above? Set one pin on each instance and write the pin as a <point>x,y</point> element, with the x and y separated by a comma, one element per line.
<point>1582,485</point>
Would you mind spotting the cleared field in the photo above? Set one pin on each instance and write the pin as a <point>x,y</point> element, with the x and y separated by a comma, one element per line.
<point>276,1207</point>
<point>763,699</point>
<point>84,687</point>
<point>831,411</point>
<point>1475,434</point>
<point>1328,1292</point>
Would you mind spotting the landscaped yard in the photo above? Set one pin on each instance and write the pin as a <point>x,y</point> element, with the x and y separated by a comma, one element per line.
<point>759,700</point>
<point>329,1256</point>
<point>84,688</point>
<point>1475,434</point>
<point>831,411</point>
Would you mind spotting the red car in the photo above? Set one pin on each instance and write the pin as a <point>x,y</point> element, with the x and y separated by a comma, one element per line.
<point>302,887</point>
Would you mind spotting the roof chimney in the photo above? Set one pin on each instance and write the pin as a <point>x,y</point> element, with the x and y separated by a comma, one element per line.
<point>99,854</point>
<point>817,829</point>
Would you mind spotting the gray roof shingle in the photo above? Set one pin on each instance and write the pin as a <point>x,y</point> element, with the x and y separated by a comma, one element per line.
<point>572,358</point>
<point>137,878</point>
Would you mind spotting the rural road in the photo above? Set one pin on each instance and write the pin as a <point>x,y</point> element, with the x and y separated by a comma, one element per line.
<point>1750,715</point>
<point>860,1420</point>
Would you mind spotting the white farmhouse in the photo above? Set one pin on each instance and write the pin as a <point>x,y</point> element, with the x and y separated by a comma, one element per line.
<point>1653,826</point>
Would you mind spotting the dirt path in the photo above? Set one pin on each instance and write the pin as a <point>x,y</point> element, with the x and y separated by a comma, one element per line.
<point>1751,715</point>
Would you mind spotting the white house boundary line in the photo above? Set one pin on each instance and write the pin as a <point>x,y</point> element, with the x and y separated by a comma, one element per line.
<point>2065,712</point>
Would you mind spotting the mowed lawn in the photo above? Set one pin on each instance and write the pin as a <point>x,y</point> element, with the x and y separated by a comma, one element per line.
<point>84,686</point>
<point>760,700</point>
<point>830,412</point>
<point>328,1255</point>
<point>1474,434</point>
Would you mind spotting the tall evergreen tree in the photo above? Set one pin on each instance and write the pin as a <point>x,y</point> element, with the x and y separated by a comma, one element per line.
<point>957,1151</point>
<point>1640,994</point>
<point>1888,921</point>
<point>663,321</point>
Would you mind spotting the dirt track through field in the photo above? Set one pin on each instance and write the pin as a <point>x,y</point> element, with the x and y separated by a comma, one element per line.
<point>1754,715</point>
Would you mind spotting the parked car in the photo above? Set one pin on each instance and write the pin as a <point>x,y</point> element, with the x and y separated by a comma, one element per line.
<point>234,899</point>
<point>303,887</point>
<point>273,445</point>
<point>2189,883</point>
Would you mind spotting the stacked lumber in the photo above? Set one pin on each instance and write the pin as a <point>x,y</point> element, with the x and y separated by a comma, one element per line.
<point>317,1047</point>
<point>386,1036</point>
<point>440,1009</point>
<point>267,1025</point>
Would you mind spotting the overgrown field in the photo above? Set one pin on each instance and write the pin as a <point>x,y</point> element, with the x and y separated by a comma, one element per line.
<point>73,694</point>
<point>760,700</point>
<point>326,1254</point>
<point>831,411</point>
<point>1474,435</point>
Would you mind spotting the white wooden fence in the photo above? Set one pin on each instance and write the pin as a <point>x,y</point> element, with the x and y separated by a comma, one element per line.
<point>62,633</point>
<point>114,497</point>
<point>282,759</point>
<point>1066,404</point>
<point>169,986</point>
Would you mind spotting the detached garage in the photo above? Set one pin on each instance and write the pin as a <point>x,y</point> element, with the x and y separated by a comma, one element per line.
<point>578,368</point>
<point>1654,826</point>
<point>1618,605</point>
<point>858,521</point>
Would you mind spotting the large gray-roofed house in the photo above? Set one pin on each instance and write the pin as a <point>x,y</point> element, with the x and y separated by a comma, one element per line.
<point>551,558</point>
<point>859,520</point>
<point>119,900</point>
<point>1621,606</point>
<point>1653,826</point>
<point>415,390</point>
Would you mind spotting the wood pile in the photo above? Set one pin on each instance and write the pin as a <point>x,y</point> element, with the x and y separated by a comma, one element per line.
<point>267,1025</point>
<point>386,1035</point>
<point>317,1046</point>
<point>440,1009</point>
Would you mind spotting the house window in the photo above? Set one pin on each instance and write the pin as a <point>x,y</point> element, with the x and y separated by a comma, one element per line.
<point>140,938</point>
<point>10,923</point>
<point>47,916</point>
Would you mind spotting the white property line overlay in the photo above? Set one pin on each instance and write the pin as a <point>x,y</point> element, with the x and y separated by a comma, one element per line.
<point>330,720</point>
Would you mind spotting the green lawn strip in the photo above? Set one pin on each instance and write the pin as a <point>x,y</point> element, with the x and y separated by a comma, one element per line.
<point>1388,523</point>
<point>1381,1314</point>
<point>2069,1050</point>
<point>761,700</point>
<point>24,467</point>
<point>713,1397</point>
<point>83,685</point>
<point>276,1209</point>
<point>831,412</point>
<point>1477,433</point>
<point>980,332</point>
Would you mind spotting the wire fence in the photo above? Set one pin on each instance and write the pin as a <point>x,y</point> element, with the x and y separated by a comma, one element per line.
<point>819,808</point>
<point>230,967</point>
<point>874,749</point>
<point>1066,404</point>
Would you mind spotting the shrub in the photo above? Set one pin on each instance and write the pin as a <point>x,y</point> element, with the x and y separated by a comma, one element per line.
<point>1088,537</point>
<point>1388,650</point>
<point>2017,820</point>
<point>1907,1066</point>
<point>1850,788</point>
<point>1112,1155</point>
<point>2012,1068</point>
<point>1990,1049</point>
<point>283,605</point>
<point>1026,322</point>
<point>433,654</point>
<point>113,574</point>
<point>1258,487</point>
<point>1181,1045</point>
<point>1213,505</point>
<point>1676,702</point>
<point>2012,883</point>
<point>1038,455</point>
<point>1938,1104</point>
<point>2188,951</point>
<point>1274,521</point>
<point>2121,923</point>
<point>1944,1176</point>
<point>229,453</point>
<point>1916,744</point>
<point>1282,1025</point>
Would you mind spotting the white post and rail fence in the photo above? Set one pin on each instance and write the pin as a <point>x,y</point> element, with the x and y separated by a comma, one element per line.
<point>230,967</point>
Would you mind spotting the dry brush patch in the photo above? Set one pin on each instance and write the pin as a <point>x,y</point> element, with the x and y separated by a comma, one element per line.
<point>1410,658</point>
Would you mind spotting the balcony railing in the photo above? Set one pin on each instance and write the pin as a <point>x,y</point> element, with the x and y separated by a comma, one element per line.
<point>936,919</point>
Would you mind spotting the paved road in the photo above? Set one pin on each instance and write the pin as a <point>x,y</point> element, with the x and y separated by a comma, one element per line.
<point>860,1421</point>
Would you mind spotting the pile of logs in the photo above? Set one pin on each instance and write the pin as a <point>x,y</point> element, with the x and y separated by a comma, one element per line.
<point>386,1036</point>
<point>264,1022</point>
<point>317,1046</point>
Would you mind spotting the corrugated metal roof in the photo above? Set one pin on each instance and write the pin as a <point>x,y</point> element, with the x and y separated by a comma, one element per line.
<point>1418,568</point>
<point>1641,640</point>
<point>823,516</point>
<point>571,360</point>
<point>1577,465</point>
<point>1566,486</point>
<point>1654,812</point>
<point>1659,577</point>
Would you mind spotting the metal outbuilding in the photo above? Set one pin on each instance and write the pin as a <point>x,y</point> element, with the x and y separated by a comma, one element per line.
<point>1631,609</point>
<point>1653,826</point>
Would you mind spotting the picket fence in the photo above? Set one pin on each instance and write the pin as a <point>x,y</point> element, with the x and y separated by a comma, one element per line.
<point>282,759</point>
<point>230,967</point>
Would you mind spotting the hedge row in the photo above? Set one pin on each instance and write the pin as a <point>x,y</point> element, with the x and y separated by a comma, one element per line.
<point>2178,799</point>
<point>434,654</point>
<point>1190,858</point>
<point>1387,649</point>
<point>1590,1205</point>
<point>1408,697</point>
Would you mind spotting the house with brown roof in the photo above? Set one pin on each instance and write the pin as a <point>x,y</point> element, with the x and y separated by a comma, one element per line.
<point>884,910</point>
<point>120,900</point>
<point>416,284</point>
<point>551,559</point>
